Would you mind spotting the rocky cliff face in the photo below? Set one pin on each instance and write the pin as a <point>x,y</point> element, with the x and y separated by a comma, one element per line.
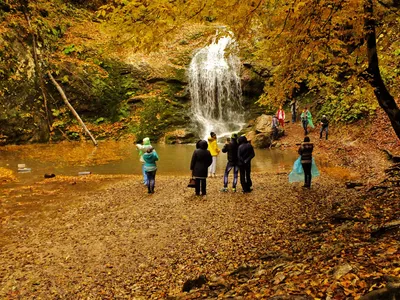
<point>115,90</point>
<point>21,118</point>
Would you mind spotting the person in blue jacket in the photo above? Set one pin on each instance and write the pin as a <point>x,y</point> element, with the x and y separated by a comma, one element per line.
<point>201,160</point>
<point>245,155</point>
<point>150,157</point>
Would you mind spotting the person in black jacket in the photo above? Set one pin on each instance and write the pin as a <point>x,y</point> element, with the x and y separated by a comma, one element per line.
<point>324,127</point>
<point>245,155</point>
<point>231,148</point>
<point>305,151</point>
<point>201,160</point>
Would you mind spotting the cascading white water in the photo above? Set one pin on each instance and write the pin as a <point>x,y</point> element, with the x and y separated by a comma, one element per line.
<point>215,88</point>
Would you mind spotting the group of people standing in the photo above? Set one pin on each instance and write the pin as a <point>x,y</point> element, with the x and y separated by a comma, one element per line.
<point>204,159</point>
<point>239,152</point>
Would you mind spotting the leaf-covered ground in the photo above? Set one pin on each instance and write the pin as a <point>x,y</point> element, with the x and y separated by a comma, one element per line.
<point>103,237</point>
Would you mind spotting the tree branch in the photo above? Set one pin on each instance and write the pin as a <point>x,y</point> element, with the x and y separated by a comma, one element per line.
<point>64,97</point>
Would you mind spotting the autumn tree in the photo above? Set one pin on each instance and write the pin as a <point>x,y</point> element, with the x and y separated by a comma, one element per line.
<point>321,47</point>
<point>32,27</point>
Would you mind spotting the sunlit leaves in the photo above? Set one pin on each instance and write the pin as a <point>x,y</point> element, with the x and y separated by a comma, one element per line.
<point>308,43</point>
<point>6,175</point>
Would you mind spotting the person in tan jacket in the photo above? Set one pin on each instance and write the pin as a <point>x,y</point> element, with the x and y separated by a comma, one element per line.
<point>214,150</point>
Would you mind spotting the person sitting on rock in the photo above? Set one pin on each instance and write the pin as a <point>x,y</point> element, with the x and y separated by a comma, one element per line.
<point>275,126</point>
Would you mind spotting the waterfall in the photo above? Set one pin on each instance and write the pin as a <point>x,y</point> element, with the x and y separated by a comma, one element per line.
<point>215,88</point>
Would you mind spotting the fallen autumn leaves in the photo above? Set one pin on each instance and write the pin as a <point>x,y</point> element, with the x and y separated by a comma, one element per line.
<point>279,240</point>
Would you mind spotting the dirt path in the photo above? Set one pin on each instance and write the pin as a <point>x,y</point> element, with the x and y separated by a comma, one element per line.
<point>349,153</point>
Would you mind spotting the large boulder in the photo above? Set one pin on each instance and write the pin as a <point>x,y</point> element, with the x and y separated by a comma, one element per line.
<point>260,133</point>
<point>262,140</point>
<point>263,123</point>
<point>179,136</point>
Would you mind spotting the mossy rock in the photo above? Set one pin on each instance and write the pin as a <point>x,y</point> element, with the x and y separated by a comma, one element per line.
<point>179,136</point>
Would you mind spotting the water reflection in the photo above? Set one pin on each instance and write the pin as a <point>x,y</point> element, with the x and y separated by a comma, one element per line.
<point>121,158</point>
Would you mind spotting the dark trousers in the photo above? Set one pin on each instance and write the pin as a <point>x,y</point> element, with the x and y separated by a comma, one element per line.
<point>229,167</point>
<point>323,128</point>
<point>294,117</point>
<point>201,183</point>
<point>275,133</point>
<point>307,174</point>
<point>151,180</point>
<point>245,179</point>
<point>305,124</point>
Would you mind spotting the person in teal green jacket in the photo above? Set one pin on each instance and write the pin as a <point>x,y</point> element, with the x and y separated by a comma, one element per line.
<point>150,167</point>
<point>306,120</point>
<point>309,117</point>
<point>142,149</point>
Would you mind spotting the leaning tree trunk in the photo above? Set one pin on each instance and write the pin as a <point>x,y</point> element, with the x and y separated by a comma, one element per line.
<point>64,97</point>
<point>385,100</point>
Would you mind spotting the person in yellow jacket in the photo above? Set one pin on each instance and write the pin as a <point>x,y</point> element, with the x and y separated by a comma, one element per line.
<point>214,150</point>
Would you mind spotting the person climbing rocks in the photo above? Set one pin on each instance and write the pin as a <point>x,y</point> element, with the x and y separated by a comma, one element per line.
<point>142,149</point>
<point>150,157</point>
<point>231,149</point>
<point>214,150</point>
<point>245,155</point>
<point>201,160</point>
<point>305,151</point>
<point>324,127</point>
<point>275,126</point>
<point>281,116</point>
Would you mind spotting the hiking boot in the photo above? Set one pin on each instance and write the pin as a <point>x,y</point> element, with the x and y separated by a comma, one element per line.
<point>234,190</point>
<point>224,189</point>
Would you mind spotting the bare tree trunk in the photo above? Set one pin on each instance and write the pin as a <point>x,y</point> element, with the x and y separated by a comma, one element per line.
<point>385,100</point>
<point>64,97</point>
<point>24,4</point>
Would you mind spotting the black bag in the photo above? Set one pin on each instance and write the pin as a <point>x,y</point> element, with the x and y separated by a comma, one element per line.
<point>192,183</point>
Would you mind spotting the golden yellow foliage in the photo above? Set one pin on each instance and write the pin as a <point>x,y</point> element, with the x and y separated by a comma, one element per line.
<point>6,175</point>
